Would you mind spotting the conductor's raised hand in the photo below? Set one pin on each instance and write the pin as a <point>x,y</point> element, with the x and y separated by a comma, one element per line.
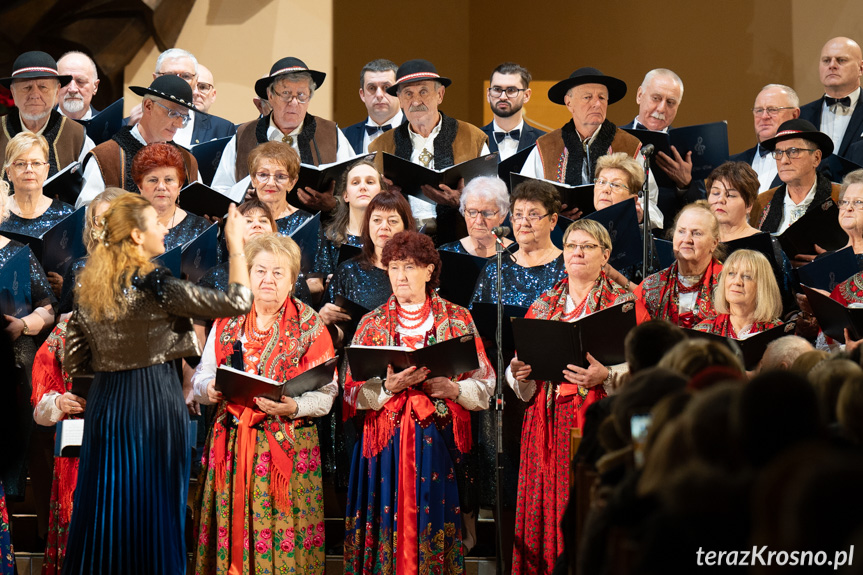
<point>396,382</point>
<point>520,370</point>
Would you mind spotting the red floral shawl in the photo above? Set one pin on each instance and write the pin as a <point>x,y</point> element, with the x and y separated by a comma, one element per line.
<point>721,325</point>
<point>551,306</point>
<point>849,291</point>
<point>657,296</point>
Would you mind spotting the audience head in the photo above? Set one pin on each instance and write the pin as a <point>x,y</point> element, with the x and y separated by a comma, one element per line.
<point>692,356</point>
<point>849,408</point>
<point>647,343</point>
<point>781,352</point>
<point>644,390</point>
<point>805,361</point>
<point>828,378</point>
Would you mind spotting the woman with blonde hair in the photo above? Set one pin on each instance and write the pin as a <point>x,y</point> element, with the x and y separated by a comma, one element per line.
<point>131,321</point>
<point>746,299</point>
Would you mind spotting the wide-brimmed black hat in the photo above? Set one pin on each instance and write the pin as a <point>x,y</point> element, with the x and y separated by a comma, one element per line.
<point>287,65</point>
<point>587,75</point>
<point>416,71</point>
<point>800,128</point>
<point>31,65</point>
<point>171,88</point>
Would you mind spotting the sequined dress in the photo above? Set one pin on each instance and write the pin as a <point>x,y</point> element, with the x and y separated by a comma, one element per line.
<point>130,505</point>
<point>521,286</point>
<point>187,230</point>
<point>37,226</point>
<point>455,246</point>
<point>327,258</point>
<point>288,224</point>
<point>16,448</point>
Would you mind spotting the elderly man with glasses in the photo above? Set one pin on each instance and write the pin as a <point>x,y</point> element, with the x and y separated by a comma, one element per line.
<point>798,147</point>
<point>289,89</point>
<point>164,111</point>
<point>35,85</point>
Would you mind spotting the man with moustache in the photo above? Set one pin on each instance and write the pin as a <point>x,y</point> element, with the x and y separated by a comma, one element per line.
<point>35,85</point>
<point>433,139</point>
<point>75,97</point>
<point>839,113</point>
<point>165,109</point>
<point>384,111</point>
<point>774,105</point>
<point>508,92</point>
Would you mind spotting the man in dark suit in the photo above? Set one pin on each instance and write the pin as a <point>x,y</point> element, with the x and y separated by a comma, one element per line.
<point>508,92</point>
<point>384,111</point>
<point>207,127</point>
<point>774,105</point>
<point>839,113</point>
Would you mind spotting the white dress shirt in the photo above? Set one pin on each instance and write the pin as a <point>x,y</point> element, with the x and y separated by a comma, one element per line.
<point>225,176</point>
<point>792,212</point>
<point>507,147</point>
<point>765,168</point>
<point>835,121</point>
<point>393,122</point>
<point>88,115</point>
<point>94,184</point>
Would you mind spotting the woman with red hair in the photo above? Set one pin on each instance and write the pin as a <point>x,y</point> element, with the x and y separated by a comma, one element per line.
<point>159,172</point>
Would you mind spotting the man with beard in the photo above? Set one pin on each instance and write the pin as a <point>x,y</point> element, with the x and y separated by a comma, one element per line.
<point>35,85</point>
<point>433,139</point>
<point>75,97</point>
<point>569,154</point>
<point>384,111</point>
<point>508,92</point>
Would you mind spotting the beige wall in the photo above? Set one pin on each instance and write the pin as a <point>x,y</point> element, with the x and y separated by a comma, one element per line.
<point>239,40</point>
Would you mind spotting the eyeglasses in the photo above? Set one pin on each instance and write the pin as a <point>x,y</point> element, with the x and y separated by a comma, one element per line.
<point>22,165</point>
<point>189,78</point>
<point>204,88</point>
<point>792,153</point>
<point>771,111</point>
<point>300,97</point>
<point>174,114</point>
<point>516,218</point>
<point>615,187</point>
<point>853,204</point>
<point>264,177</point>
<point>486,214</point>
<point>585,248</point>
<point>510,91</point>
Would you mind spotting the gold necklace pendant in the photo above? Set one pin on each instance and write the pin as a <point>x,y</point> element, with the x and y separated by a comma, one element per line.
<point>426,157</point>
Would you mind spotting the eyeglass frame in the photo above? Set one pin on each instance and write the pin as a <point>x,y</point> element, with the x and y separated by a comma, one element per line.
<point>191,77</point>
<point>174,114</point>
<point>502,91</point>
<point>532,218</point>
<point>278,178</point>
<point>486,214</point>
<point>287,100</point>
<point>22,165</point>
<point>204,91</point>
<point>855,205</point>
<point>777,154</point>
<point>613,185</point>
<point>776,109</point>
<point>583,248</point>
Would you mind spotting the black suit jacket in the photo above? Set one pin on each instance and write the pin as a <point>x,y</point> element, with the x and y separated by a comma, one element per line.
<point>355,132</point>
<point>631,126</point>
<point>748,156</point>
<point>528,136</point>
<point>207,127</point>
<point>854,132</point>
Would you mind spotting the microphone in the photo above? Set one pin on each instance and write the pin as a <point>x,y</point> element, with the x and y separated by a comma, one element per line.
<point>648,150</point>
<point>501,231</point>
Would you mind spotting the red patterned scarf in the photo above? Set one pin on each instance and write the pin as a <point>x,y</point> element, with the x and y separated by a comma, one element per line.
<point>721,325</point>
<point>849,291</point>
<point>659,294</point>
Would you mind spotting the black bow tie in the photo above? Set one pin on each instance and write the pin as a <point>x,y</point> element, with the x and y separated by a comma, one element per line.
<point>762,151</point>
<point>372,130</point>
<point>514,134</point>
<point>846,101</point>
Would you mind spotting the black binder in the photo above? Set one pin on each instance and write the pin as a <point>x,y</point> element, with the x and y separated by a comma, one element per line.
<point>664,252</point>
<point>15,295</point>
<point>200,255</point>
<point>749,350</point>
<point>208,155</point>
<point>353,309</point>
<point>171,259</point>
<point>513,164</point>
<point>485,317</point>
<point>241,388</point>
<point>549,346</point>
<point>819,225</point>
<point>573,196</point>
<point>307,236</point>
<point>458,275</point>
<point>411,177</point>
<point>59,245</point>
<point>621,221</point>
<point>102,127</point>
<point>202,200</point>
<point>320,177</point>
<point>829,270</point>
<point>66,184</point>
<point>347,251</point>
<point>833,317</point>
<point>448,358</point>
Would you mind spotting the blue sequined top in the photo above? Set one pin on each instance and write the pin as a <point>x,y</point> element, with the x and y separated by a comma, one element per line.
<point>70,279</point>
<point>40,289</point>
<point>217,278</point>
<point>37,226</point>
<point>521,286</point>
<point>187,230</point>
<point>327,258</point>
<point>368,287</point>
<point>288,224</point>
<point>455,246</point>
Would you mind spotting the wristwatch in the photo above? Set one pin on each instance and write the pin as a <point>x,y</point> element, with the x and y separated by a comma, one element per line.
<point>26,330</point>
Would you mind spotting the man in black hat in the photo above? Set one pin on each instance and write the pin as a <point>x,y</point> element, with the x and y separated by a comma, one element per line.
<point>508,92</point>
<point>798,147</point>
<point>289,88</point>
<point>164,110</point>
<point>569,154</point>
<point>433,139</point>
<point>35,85</point>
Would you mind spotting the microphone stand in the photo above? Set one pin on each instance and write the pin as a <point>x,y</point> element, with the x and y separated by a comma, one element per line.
<point>498,403</point>
<point>645,236</point>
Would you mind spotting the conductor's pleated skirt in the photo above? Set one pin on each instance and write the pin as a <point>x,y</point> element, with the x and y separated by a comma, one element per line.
<point>130,503</point>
